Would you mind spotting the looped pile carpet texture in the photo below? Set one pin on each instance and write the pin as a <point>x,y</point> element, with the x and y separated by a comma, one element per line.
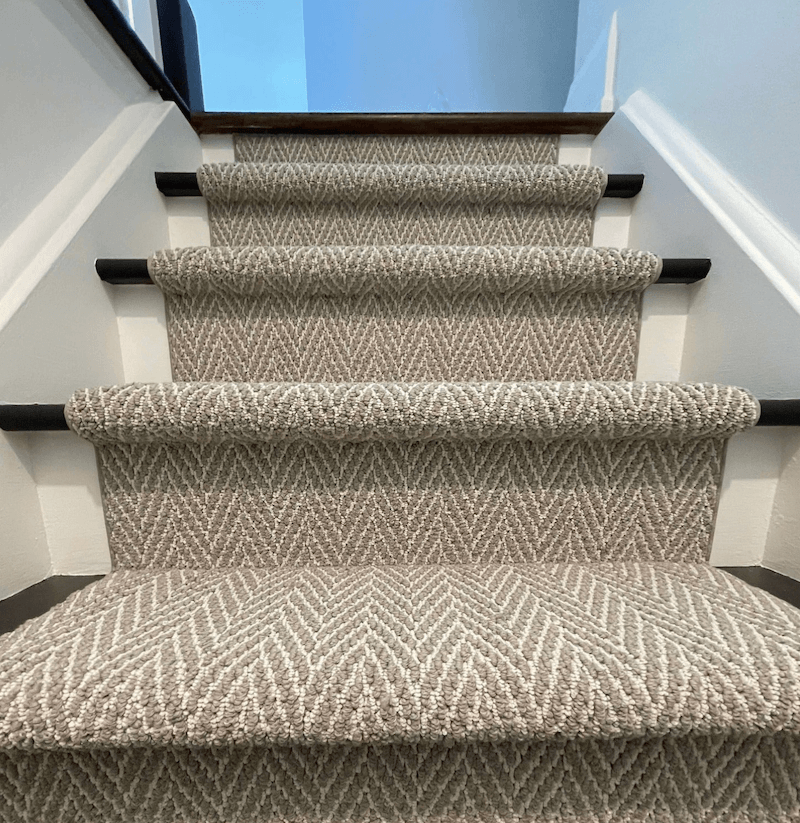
<point>360,412</point>
<point>405,540</point>
<point>403,654</point>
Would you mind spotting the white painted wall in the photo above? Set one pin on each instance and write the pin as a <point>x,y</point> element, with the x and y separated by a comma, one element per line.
<point>715,95</point>
<point>741,326</point>
<point>62,83</point>
<point>87,191</point>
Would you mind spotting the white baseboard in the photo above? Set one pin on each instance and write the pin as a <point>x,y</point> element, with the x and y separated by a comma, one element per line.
<point>765,240</point>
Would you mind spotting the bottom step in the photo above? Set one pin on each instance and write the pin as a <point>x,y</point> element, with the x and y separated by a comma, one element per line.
<point>558,692</point>
<point>663,780</point>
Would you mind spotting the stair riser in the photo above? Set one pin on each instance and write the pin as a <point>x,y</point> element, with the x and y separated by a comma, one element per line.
<point>680,780</point>
<point>254,504</point>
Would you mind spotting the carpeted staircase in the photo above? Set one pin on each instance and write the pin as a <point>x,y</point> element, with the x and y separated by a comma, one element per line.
<point>406,542</point>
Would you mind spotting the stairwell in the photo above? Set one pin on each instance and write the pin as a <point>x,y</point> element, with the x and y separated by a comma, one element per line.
<point>405,538</point>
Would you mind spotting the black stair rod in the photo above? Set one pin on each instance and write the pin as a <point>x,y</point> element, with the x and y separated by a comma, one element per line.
<point>122,272</point>
<point>25,417</point>
<point>779,413</point>
<point>184,184</point>
<point>132,272</point>
<point>28,417</point>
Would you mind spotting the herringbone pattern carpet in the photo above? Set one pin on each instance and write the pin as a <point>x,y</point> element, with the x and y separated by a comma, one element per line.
<point>385,313</point>
<point>727,778</point>
<point>408,544</point>
<point>278,474</point>
<point>397,654</point>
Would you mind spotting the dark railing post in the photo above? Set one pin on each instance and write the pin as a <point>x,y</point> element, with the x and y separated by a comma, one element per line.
<point>179,49</point>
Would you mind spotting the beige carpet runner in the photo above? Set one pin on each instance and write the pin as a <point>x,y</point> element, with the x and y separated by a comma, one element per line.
<point>407,541</point>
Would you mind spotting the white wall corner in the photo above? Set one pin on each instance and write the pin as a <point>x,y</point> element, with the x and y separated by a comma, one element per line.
<point>741,326</point>
<point>782,552</point>
<point>747,496</point>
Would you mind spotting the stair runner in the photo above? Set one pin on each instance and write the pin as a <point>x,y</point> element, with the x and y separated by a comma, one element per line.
<point>407,542</point>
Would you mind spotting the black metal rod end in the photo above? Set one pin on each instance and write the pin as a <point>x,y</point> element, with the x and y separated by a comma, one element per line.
<point>178,184</point>
<point>23,417</point>
<point>779,413</point>
<point>184,184</point>
<point>122,272</point>
<point>684,269</point>
<point>27,417</point>
<point>623,185</point>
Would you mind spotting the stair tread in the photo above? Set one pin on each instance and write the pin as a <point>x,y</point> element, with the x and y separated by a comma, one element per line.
<point>402,653</point>
<point>358,412</point>
<point>401,184</point>
<point>297,271</point>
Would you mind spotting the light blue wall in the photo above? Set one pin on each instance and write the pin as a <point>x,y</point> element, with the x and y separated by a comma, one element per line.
<point>252,55</point>
<point>728,72</point>
<point>439,55</point>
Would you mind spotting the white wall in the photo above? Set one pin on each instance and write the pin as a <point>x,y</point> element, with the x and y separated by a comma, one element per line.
<point>62,82</point>
<point>727,72</point>
<point>741,326</point>
<point>88,195</point>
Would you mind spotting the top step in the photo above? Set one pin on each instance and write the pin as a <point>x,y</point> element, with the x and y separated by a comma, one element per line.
<point>406,123</point>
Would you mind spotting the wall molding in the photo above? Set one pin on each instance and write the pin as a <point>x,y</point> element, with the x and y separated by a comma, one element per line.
<point>36,244</point>
<point>762,237</point>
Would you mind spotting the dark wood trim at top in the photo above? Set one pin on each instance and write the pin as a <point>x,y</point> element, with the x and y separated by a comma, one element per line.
<point>221,122</point>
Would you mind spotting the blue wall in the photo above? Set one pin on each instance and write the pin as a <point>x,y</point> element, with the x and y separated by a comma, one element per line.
<point>252,56</point>
<point>439,55</point>
<point>386,55</point>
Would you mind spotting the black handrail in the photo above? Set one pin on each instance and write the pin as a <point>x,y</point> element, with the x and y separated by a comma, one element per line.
<point>50,417</point>
<point>184,184</point>
<point>126,38</point>
<point>122,272</point>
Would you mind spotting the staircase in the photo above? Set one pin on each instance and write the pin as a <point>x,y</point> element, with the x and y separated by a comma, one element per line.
<point>405,540</point>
